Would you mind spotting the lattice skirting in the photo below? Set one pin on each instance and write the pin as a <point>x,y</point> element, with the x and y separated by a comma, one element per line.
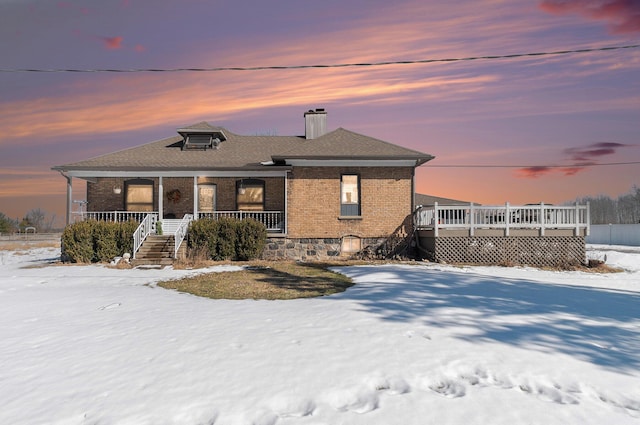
<point>523,250</point>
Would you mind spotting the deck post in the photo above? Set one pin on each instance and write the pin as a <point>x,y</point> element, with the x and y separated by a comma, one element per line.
<point>577,232</point>
<point>588,221</point>
<point>472,220</point>
<point>542,220</point>
<point>436,219</point>
<point>507,219</point>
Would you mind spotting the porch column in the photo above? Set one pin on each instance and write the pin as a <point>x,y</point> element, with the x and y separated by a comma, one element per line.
<point>69,198</point>
<point>160,199</point>
<point>286,202</point>
<point>195,197</point>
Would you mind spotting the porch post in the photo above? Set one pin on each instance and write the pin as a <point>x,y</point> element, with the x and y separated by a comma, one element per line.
<point>160,199</point>
<point>69,198</point>
<point>195,197</point>
<point>286,202</point>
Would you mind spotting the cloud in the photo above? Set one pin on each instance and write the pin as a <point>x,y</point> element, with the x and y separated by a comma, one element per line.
<point>623,16</point>
<point>533,172</point>
<point>582,157</point>
<point>593,151</point>
<point>112,43</point>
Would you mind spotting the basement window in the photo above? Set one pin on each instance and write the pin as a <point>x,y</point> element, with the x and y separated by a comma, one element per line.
<point>351,245</point>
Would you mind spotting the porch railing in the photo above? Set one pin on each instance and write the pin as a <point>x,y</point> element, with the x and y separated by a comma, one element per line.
<point>273,220</point>
<point>116,216</point>
<point>471,217</point>
<point>145,228</point>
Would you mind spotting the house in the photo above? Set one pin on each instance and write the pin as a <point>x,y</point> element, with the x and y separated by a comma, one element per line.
<point>322,194</point>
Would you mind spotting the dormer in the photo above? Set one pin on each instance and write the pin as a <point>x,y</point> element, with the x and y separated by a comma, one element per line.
<point>201,137</point>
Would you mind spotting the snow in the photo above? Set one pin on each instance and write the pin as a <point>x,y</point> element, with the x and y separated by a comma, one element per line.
<point>408,344</point>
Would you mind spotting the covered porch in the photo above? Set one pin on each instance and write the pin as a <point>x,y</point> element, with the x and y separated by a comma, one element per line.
<point>127,196</point>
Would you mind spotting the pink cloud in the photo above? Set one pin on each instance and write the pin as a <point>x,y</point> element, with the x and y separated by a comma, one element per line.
<point>533,172</point>
<point>623,16</point>
<point>112,43</point>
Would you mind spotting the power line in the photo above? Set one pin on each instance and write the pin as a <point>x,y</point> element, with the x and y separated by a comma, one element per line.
<point>337,65</point>
<point>530,166</point>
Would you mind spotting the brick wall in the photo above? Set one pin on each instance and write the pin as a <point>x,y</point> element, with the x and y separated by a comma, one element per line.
<point>314,202</point>
<point>100,195</point>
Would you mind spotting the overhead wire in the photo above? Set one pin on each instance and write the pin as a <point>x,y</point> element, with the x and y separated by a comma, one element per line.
<point>335,65</point>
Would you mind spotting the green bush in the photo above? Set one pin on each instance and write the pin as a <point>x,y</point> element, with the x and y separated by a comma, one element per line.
<point>250,239</point>
<point>91,241</point>
<point>227,238</point>
<point>203,235</point>
<point>125,236</point>
<point>77,242</point>
<point>105,240</point>
<point>226,243</point>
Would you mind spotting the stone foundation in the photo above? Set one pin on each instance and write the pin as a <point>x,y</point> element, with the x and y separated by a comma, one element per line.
<point>312,249</point>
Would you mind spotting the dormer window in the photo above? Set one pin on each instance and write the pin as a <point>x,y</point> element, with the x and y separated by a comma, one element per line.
<point>201,139</point>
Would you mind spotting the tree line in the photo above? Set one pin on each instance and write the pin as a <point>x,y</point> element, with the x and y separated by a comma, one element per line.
<point>37,218</point>
<point>623,210</point>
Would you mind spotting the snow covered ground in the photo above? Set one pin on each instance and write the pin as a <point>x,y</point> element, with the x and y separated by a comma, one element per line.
<point>409,344</point>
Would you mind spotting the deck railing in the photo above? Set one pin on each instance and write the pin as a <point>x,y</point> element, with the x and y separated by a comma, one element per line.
<point>273,220</point>
<point>471,217</point>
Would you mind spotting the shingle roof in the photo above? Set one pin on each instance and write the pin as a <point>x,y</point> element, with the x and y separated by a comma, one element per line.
<point>245,152</point>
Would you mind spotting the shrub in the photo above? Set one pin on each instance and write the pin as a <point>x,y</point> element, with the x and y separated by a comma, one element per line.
<point>203,235</point>
<point>90,241</point>
<point>125,236</point>
<point>77,242</point>
<point>227,238</point>
<point>251,237</point>
<point>105,240</point>
<point>226,241</point>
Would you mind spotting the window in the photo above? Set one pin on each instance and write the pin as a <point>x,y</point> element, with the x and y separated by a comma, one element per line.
<point>206,197</point>
<point>350,195</point>
<point>250,195</point>
<point>351,244</point>
<point>139,195</point>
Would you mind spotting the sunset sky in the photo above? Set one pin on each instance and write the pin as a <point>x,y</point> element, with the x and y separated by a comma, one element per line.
<point>554,124</point>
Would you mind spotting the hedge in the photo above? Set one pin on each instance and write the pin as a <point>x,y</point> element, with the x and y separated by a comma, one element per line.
<point>93,241</point>
<point>227,238</point>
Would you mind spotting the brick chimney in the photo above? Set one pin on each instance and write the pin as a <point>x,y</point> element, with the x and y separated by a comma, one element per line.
<point>315,123</point>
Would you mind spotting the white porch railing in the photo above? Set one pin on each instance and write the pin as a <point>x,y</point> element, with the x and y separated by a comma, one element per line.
<point>117,216</point>
<point>181,233</point>
<point>273,220</point>
<point>145,228</point>
<point>471,217</point>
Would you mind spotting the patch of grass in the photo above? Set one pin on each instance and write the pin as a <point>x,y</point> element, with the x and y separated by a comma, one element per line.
<point>279,280</point>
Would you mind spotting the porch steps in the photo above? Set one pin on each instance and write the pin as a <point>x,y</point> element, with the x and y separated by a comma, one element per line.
<point>156,250</point>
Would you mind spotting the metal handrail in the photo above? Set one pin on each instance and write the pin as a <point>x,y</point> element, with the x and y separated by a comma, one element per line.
<point>145,228</point>
<point>181,232</point>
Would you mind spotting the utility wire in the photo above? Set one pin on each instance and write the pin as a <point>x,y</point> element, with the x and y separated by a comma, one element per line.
<point>338,65</point>
<point>530,166</point>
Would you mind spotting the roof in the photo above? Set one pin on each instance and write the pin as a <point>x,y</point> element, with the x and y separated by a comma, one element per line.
<point>238,152</point>
<point>422,199</point>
